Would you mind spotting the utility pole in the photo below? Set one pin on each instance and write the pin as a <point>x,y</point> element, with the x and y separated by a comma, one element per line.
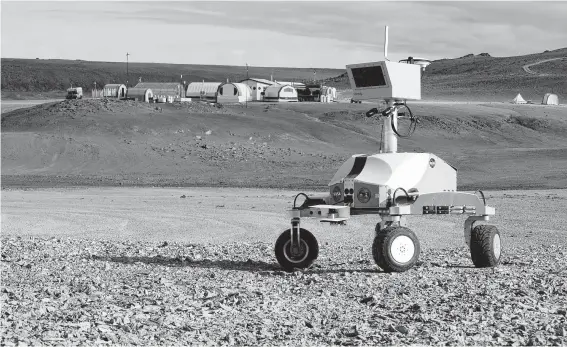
<point>127,72</point>
<point>95,90</point>
<point>246,96</point>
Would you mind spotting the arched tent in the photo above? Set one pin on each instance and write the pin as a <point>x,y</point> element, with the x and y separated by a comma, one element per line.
<point>519,100</point>
<point>140,94</point>
<point>206,90</point>
<point>114,91</point>
<point>234,92</point>
<point>163,90</point>
<point>280,93</point>
<point>550,99</point>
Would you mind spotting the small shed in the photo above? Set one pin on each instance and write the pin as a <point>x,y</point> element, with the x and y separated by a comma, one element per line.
<point>280,93</point>
<point>550,99</point>
<point>114,91</point>
<point>328,94</point>
<point>205,90</point>
<point>140,94</point>
<point>234,92</point>
<point>163,89</point>
<point>257,86</point>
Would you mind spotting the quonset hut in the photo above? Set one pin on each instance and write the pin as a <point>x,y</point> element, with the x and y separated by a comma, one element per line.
<point>140,94</point>
<point>205,90</point>
<point>114,91</point>
<point>234,92</point>
<point>280,93</point>
<point>167,90</point>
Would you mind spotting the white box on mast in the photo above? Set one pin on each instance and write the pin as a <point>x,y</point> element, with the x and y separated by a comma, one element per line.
<point>385,80</point>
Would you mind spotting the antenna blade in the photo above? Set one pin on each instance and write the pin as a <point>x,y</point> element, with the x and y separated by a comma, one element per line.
<point>386,43</point>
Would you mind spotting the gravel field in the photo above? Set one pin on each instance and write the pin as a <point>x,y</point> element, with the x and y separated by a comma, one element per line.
<point>196,265</point>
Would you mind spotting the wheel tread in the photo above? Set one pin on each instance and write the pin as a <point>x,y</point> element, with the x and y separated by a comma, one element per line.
<point>311,241</point>
<point>380,249</point>
<point>481,246</point>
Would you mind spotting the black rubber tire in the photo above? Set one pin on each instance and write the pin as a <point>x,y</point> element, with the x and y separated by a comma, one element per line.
<point>283,244</point>
<point>381,249</point>
<point>483,250</point>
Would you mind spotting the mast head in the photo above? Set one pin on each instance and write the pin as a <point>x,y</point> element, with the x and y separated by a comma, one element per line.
<point>385,80</point>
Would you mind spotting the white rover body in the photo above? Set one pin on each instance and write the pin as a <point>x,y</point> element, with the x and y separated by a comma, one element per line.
<point>391,185</point>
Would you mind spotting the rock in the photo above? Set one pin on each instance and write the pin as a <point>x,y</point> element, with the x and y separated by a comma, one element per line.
<point>402,329</point>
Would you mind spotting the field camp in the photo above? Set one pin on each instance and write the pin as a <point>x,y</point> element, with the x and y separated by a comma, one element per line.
<point>241,92</point>
<point>284,173</point>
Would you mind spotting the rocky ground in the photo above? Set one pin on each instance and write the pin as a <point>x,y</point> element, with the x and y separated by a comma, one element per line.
<point>66,291</point>
<point>196,266</point>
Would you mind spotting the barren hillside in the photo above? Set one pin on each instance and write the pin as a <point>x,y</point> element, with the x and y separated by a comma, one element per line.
<point>105,142</point>
<point>473,77</point>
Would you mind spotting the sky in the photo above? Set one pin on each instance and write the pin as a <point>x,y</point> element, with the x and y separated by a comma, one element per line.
<point>323,34</point>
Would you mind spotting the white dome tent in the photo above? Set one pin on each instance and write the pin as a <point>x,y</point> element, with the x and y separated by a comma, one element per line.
<point>234,92</point>
<point>280,93</point>
<point>550,99</point>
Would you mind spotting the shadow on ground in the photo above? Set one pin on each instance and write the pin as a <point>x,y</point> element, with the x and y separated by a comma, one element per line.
<point>249,265</point>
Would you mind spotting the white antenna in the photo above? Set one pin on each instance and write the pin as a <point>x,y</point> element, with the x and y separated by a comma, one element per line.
<point>386,44</point>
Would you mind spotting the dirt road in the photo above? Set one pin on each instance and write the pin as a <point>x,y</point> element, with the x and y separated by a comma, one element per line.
<point>528,70</point>
<point>11,105</point>
<point>208,215</point>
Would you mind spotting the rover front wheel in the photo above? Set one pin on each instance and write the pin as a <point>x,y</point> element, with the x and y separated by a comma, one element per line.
<point>395,249</point>
<point>486,246</point>
<point>300,257</point>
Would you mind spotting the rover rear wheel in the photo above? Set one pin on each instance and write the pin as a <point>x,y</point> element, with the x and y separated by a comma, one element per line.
<point>301,257</point>
<point>395,249</point>
<point>486,246</point>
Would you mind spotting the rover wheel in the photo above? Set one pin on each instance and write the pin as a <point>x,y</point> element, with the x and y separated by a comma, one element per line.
<point>300,258</point>
<point>486,246</point>
<point>395,249</point>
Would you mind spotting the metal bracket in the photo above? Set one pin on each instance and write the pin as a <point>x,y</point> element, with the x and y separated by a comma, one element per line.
<point>295,235</point>
<point>469,223</point>
<point>392,218</point>
<point>388,221</point>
